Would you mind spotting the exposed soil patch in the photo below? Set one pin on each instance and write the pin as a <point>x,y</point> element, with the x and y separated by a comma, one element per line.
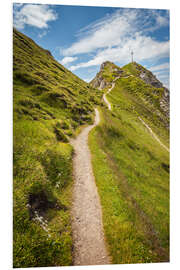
<point>39,203</point>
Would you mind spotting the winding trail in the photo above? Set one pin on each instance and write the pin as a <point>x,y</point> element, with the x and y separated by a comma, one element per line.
<point>104,96</point>
<point>87,227</point>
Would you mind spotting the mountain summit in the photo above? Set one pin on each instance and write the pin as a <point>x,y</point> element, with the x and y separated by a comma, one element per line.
<point>139,80</point>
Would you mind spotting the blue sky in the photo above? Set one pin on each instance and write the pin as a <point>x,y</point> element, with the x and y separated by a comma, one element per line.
<point>81,38</point>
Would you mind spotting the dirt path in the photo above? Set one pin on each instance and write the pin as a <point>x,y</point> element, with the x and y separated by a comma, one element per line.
<point>104,96</point>
<point>105,99</point>
<point>88,235</point>
<point>153,134</point>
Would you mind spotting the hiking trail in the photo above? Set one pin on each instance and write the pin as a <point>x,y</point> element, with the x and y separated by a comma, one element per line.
<point>87,227</point>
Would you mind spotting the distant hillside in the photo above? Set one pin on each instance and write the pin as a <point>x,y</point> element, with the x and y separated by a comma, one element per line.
<point>50,106</point>
<point>140,82</point>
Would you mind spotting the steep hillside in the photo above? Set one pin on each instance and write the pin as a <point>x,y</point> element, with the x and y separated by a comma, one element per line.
<point>132,168</point>
<point>50,105</point>
<point>44,89</point>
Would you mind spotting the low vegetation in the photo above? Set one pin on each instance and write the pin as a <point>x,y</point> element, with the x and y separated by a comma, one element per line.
<point>50,105</point>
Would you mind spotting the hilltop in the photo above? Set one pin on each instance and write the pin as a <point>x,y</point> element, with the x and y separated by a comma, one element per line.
<point>139,81</point>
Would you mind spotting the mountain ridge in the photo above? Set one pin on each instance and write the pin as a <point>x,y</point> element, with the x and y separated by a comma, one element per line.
<point>109,71</point>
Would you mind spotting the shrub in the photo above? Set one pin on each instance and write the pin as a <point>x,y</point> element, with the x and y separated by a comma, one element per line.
<point>39,89</point>
<point>29,103</point>
<point>60,135</point>
<point>25,78</point>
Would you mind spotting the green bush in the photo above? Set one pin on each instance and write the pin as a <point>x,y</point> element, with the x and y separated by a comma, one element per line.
<point>60,135</point>
<point>25,78</point>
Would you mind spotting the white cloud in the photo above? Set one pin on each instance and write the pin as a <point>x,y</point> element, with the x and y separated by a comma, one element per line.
<point>116,29</point>
<point>160,67</point>
<point>144,48</point>
<point>34,15</point>
<point>105,33</point>
<point>67,60</point>
<point>113,37</point>
<point>162,21</point>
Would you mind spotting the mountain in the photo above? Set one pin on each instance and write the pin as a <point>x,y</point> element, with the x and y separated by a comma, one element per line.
<point>130,157</point>
<point>50,105</point>
<point>139,81</point>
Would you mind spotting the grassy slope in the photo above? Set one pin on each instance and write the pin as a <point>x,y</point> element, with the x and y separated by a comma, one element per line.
<point>132,174</point>
<point>50,105</point>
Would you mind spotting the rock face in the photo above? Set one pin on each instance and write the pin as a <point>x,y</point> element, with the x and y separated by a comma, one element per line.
<point>99,82</point>
<point>149,78</point>
<point>103,78</point>
<point>165,101</point>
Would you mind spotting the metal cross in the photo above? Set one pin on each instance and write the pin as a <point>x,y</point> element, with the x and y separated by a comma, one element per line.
<point>132,55</point>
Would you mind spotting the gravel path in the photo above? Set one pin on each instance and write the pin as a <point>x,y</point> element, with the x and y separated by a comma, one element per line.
<point>104,96</point>
<point>88,235</point>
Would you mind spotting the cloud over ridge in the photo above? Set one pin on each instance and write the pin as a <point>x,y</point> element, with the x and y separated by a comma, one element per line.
<point>113,37</point>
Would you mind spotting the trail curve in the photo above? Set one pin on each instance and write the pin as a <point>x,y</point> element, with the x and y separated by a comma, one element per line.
<point>104,96</point>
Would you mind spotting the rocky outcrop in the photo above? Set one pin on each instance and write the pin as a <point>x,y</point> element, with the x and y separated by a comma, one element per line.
<point>99,82</point>
<point>102,80</point>
<point>165,101</point>
<point>149,78</point>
